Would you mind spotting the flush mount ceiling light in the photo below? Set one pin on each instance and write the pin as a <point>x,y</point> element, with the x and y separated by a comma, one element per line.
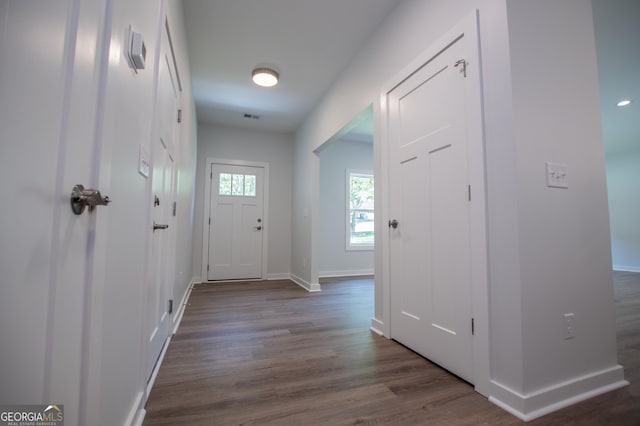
<point>624,102</point>
<point>265,77</point>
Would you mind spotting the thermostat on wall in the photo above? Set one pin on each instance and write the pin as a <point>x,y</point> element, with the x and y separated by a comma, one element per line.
<point>137,51</point>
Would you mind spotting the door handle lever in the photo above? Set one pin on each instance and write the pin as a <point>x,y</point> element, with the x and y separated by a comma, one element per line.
<point>81,198</point>
<point>393,224</point>
<point>158,226</point>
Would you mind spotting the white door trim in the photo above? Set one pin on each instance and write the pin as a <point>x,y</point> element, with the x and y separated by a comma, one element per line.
<point>468,28</point>
<point>207,203</point>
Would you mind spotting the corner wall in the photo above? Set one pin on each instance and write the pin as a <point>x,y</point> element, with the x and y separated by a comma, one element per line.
<point>563,234</point>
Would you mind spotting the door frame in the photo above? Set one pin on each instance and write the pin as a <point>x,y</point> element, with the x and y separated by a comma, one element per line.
<point>467,27</point>
<point>210,161</point>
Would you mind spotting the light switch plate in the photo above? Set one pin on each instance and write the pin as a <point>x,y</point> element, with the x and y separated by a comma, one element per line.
<point>557,175</point>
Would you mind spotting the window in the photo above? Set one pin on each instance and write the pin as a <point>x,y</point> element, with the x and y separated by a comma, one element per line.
<point>360,210</point>
<point>237,185</point>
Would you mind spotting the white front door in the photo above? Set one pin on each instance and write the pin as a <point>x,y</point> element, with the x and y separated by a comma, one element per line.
<point>430,262</point>
<point>161,270</point>
<point>235,222</point>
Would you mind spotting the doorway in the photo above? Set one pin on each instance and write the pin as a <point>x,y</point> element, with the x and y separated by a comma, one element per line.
<point>346,211</point>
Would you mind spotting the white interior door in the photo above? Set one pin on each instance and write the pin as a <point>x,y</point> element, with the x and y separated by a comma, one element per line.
<point>235,222</point>
<point>163,188</point>
<point>50,109</point>
<point>430,259</point>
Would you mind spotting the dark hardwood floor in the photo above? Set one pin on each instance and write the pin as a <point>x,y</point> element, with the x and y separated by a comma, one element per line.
<point>270,353</point>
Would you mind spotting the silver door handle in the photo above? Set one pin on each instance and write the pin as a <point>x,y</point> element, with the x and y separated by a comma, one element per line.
<point>158,226</point>
<point>393,224</point>
<point>81,198</point>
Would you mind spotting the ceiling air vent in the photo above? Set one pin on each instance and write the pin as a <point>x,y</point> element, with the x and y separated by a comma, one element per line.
<point>255,117</point>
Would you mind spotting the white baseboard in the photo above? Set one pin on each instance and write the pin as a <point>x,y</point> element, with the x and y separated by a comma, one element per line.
<point>305,284</point>
<point>156,368</point>
<point>198,280</point>
<point>285,276</point>
<point>137,411</point>
<point>183,303</point>
<point>139,420</point>
<point>176,323</point>
<point>626,268</point>
<point>539,403</point>
<point>347,273</point>
<point>377,326</point>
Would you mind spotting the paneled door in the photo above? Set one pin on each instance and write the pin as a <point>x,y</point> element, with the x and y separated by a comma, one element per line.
<point>430,262</point>
<point>159,288</point>
<point>236,222</point>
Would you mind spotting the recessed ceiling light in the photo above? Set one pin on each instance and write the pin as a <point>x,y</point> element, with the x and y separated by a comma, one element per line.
<point>624,102</point>
<point>265,77</point>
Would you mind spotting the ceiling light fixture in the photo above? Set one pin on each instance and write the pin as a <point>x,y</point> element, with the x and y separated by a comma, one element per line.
<point>265,77</point>
<point>624,102</point>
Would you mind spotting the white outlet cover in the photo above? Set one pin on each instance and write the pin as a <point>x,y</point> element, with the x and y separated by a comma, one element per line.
<point>557,175</point>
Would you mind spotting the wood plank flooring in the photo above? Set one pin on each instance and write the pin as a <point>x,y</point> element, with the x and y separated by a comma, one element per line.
<point>269,353</point>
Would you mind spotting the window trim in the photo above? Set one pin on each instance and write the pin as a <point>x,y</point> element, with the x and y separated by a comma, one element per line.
<point>348,245</point>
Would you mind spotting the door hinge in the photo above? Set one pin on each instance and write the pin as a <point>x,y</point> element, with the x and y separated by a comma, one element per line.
<point>207,267</point>
<point>464,66</point>
<point>469,191</point>
<point>209,221</point>
<point>211,175</point>
<point>473,327</point>
<point>179,116</point>
<point>170,306</point>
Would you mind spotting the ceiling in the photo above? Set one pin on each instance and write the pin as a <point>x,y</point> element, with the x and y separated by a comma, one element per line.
<point>309,43</point>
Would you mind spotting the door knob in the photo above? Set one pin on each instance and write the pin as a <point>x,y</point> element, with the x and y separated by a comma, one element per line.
<point>393,224</point>
<point>258,228</point>
<point>81,198</point>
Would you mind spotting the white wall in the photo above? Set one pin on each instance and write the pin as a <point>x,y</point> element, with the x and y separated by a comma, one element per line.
<point>249,145</point>
<point>335,159</point>
<point>129,112</point>
<point>623,182</point>
<point>548,249</point>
